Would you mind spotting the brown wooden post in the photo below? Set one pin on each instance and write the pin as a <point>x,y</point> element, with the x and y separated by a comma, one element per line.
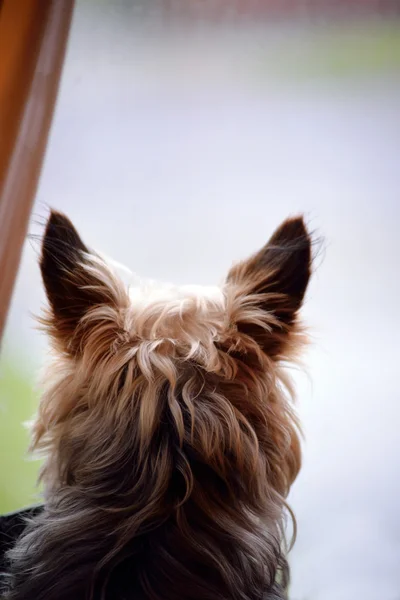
<point>33,39</point>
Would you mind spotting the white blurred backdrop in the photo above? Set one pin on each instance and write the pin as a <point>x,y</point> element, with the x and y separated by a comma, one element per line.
<point>178,149</point>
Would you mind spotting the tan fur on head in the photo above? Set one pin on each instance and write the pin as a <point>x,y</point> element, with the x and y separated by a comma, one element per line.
<point>167,427</point>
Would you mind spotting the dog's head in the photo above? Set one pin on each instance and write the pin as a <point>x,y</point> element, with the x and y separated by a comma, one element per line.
<point>172,401</point>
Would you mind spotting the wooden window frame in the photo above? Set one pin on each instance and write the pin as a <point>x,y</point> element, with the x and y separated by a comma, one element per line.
<point>33,40</point>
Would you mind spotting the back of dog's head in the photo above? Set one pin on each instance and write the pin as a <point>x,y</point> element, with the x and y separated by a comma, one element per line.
<point>167,428</point>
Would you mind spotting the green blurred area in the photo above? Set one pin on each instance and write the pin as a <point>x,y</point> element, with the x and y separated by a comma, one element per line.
<point>359,50</point>
<point>352,50</point>
<point>18,473</point>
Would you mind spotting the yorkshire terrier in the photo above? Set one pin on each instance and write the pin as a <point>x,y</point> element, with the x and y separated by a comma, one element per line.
<point>167,427</point>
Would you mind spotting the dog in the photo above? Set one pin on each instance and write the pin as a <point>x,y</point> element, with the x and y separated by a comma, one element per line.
<point>168,429</point>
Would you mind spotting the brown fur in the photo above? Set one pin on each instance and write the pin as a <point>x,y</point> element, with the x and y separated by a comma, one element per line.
<point>168,431</point>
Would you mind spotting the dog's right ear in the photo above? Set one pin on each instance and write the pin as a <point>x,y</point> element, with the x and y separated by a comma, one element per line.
<point>273,282</point>
<point>75,280</point>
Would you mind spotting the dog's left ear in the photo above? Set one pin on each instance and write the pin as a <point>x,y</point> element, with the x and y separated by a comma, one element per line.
<point>273,280</point>
<point>75,280</point>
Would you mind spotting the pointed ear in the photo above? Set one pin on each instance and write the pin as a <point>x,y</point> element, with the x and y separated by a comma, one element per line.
<point>75,280</point>
<point>273,282</point>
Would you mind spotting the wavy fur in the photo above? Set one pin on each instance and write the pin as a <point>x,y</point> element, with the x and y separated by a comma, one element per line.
<point>168,431</point>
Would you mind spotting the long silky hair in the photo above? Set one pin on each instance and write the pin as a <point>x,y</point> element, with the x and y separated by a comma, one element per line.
<point>168,430</point>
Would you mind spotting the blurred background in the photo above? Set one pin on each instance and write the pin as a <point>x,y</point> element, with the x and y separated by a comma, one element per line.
<point>185,131</point>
